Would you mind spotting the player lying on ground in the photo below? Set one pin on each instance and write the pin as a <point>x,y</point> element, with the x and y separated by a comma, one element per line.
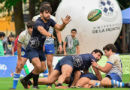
<point>68,64</point>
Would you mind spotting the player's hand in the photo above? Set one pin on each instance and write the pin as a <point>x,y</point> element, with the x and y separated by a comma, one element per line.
<point>50,35</point>
<point>94,64</point>
<point>66,20</point>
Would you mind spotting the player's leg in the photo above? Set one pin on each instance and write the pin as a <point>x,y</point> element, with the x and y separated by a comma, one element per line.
<point>66,73</point>
<point>33,56</point>
<point>86,78</point>
<point>112,80</point>
<point>82,81</point>
<point>35,73</point>
<point>49,62</point>
<point>92,83</point>
<point>87,86</point>
<point>66,68</point>
<point>50,79</point>
<point>20,64</point>
<point>49,50</point>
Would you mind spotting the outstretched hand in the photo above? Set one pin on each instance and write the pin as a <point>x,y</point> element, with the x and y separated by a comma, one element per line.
<point>66,20</point>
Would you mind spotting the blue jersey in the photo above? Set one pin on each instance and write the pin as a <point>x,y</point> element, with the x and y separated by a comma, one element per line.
<point>83,61</point>
<point>37,34</point>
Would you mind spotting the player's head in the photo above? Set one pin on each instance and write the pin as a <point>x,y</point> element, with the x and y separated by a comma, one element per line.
<point>97,54</point>
<point>109,49</point>
<point>45,3</point>
<point>2,35</point>
<point>73,32</point>
<point>45,12</point>
<point>30,25</point>
<point>11,37</point>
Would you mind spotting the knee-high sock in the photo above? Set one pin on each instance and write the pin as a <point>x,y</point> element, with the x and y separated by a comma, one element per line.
<point>117,83</point>
<point>15,80</point>
<point>29,76</point>
<point>35,79</point>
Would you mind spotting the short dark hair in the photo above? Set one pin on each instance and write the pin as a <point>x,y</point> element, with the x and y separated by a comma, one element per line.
<point>2,34</point>
<point>74,30</point>
<point>30,24</point>
<point>11,35</point>
<point>110,47</point>
<point>98,51</point>
<point>45,4</point>
<point>45,8</point>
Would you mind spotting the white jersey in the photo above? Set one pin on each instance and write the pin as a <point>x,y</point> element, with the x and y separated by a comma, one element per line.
<point>24,38</point>
<point>116,64</point>
<point>51,29</point>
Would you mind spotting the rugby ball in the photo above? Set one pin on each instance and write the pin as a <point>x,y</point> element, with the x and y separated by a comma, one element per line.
<point>94,15</point>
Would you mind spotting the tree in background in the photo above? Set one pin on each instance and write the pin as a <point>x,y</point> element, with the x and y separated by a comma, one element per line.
<point>16,5</point>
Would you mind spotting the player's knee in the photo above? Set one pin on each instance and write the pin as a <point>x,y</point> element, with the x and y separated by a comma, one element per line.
<point>68,75</point>
<point>38,67</point>
<point>49,64</point>
<point>19,67</point>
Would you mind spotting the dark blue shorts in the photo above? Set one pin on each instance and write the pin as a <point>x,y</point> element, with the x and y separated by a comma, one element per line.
<point>32,53</point>
<point>91,76</point>
<point>49,49</point>
<point>65,60</point>
<point>114,76</point>
<point>23,53</point>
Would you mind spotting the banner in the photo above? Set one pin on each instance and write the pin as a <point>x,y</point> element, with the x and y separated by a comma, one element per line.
<point>8,65</point>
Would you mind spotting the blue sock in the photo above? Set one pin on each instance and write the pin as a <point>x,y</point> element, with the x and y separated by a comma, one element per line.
<point>15,80</point>
<point>117,83</point>
<point>45,73</point>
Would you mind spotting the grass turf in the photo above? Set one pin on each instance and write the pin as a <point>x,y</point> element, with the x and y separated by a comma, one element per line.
<point>6,83</point>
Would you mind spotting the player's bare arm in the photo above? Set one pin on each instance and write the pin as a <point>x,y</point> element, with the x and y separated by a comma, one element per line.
<point>104,69</point>
<point>65,21</point>
<point>98,74</point>
<point>44,31</point>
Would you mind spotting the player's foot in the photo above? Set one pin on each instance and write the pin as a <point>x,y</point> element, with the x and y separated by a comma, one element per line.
<point>24,83</point>
<point>12,89</point>
<point>35,87</point>
<point>127,85</point>
<point>29,84</point>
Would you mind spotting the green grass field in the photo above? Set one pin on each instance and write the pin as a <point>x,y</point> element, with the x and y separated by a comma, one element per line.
<point>6,83</point>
